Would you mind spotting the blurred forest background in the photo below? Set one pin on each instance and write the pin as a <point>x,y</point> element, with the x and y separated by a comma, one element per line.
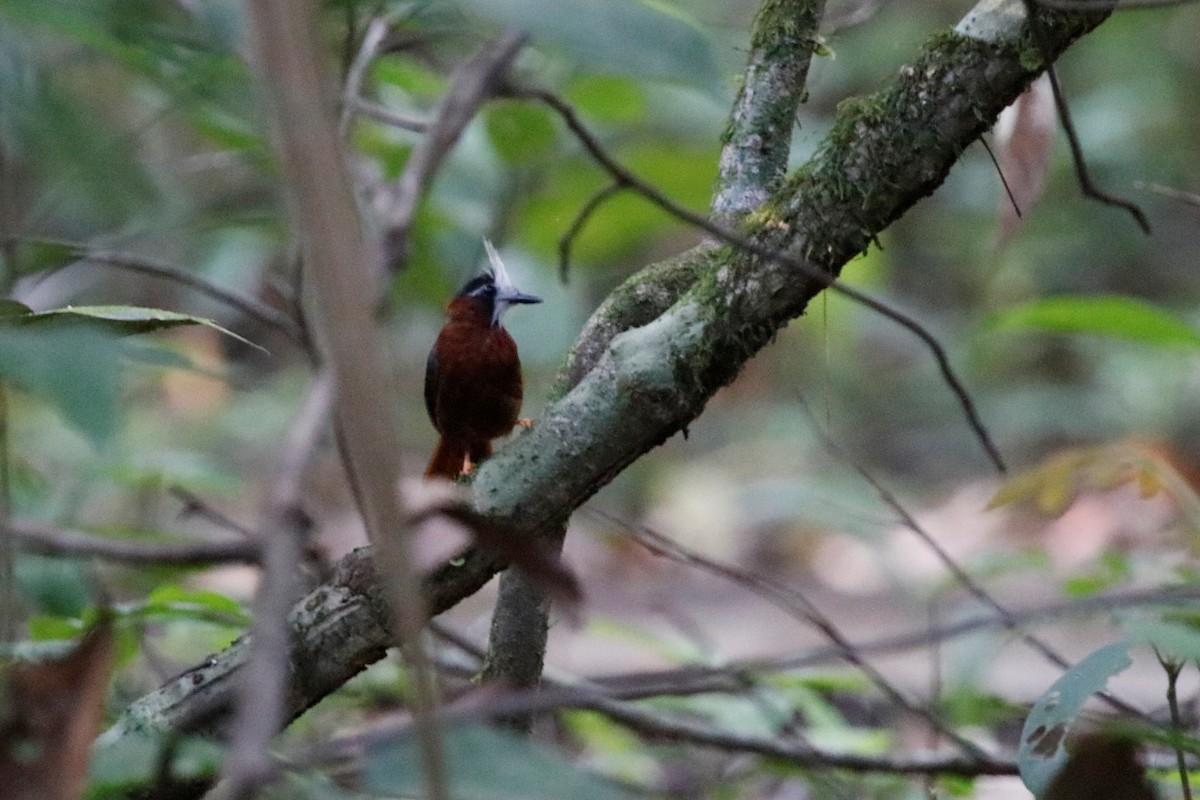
<point>133,141</point>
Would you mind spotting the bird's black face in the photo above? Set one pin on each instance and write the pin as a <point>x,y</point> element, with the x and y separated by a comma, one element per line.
<point>493,300</point>
<point>481,287</point>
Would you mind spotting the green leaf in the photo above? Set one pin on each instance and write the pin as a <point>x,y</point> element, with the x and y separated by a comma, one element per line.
<point>1041,753</point>
<point>1100,315</point>
<point>607,98</point>
<point>485,764</point>
<point>38,256</point>
<point>134,759</point>
<point>625,37</point>
<point>520,132</point>
<point>175,601</point>
<point>1174,639</point>
<point>75,368</point>
<point>46,627</point>
<point>129,320</point>
<point>51,585</point>
<point>227,131</point>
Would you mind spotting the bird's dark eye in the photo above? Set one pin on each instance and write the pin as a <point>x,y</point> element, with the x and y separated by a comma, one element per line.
<point>481,287</point>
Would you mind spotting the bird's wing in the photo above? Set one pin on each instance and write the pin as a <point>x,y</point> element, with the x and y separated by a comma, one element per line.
<point>431,372</point>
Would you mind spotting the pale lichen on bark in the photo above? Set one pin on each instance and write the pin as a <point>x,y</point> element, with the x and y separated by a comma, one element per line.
<point>758,140</point>
<point>704,313</point>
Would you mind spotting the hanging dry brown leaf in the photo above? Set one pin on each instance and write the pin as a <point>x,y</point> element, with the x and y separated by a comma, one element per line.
<point>55,710</point>
<point>1024,139</point>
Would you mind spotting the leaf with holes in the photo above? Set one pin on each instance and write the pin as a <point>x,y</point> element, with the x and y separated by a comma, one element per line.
<point>1041,753</point>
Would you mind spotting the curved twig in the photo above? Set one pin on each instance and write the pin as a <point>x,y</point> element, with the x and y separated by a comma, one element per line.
<point>957,572</point>
<point>132,262</point>
<point>699,679</point>
<point>387,116</point>
<point>625,178</point>
<point>1086,184</point>
<point>798,607</point>
<point>377,30</point>
<point>49,540</point>
<point>472,83</point>
<point>585,212</point>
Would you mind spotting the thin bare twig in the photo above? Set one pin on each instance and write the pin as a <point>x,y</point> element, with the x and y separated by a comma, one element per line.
<point>658,726</point>
<point>471,84</point>
<point>193,504</point>
<point>960,575</point>
<point>487,703</point>
<point>387,116</point>
<point>797,606</point>
<point>1086,184</point>
<point>1173,668</point>
<point>567,241</point>
<point>377,30</point>
<point>260,710</point>
<point>694,679</point>
<point>1003,180</point>
<point>36,537</point>
<point>624,177</point>
<point>1190,198</point>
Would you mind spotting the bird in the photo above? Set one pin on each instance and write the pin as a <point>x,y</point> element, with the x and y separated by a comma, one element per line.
<point>473,383</point>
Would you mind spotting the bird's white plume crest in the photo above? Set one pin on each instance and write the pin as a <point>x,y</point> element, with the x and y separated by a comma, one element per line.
<point>504,284</point>
<point>506,291</point>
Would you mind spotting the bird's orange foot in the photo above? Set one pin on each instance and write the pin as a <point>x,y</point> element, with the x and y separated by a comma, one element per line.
<point>467,466</point>
<point>525,422</point>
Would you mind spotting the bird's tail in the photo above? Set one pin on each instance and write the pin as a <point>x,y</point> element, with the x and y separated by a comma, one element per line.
<point>447,460</point>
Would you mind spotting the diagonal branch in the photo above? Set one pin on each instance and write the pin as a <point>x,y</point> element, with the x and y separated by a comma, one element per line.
<point>624,178</point>
<point>640,386</point>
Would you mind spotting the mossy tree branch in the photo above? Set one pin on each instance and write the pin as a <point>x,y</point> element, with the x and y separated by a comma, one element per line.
<point>753,163</point>
<point>674,334</point>
<point>757,143</point>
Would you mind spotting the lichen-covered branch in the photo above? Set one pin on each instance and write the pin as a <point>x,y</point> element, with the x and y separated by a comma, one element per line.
<point>670,338</point>
<point>338,630</point>
<point>754,158</point>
